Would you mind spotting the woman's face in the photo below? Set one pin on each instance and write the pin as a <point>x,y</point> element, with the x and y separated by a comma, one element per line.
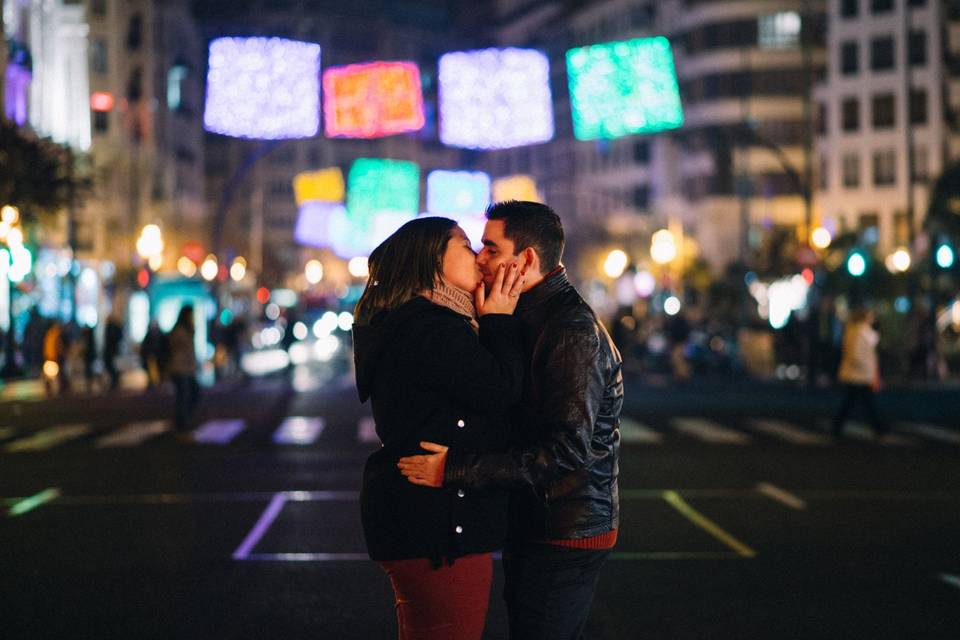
<point>460,262</point>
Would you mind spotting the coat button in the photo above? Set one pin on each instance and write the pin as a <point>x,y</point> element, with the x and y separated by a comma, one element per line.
<point>458,529</point>
<point>461,423</point>
<point>460,493</point>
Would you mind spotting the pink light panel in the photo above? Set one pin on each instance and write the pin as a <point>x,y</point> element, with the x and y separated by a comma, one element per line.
<point>372,100</point>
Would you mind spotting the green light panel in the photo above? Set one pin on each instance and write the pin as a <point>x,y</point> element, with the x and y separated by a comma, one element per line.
<point>623,88</point>
<point>382,186</point>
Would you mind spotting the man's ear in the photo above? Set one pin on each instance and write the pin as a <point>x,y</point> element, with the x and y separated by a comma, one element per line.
<point>531,260</point>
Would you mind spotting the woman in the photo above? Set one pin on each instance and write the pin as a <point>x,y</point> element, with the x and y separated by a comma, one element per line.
<point>183,370</point>
<point>859,371</point>
<point>434,371</point>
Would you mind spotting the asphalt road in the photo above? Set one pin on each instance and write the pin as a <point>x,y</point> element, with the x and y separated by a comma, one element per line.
<point>734,525</point>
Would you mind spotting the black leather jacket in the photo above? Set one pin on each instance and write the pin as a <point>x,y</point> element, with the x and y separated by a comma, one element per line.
<point>563,464</point>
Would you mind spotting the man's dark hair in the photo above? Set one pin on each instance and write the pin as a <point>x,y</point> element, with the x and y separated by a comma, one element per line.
<point>531,224</point>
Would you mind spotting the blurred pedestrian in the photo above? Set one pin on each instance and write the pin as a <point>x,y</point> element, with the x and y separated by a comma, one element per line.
<point>112,340</point>
<point>152,354</point>
<point>678,329</point>
<point>55,360</point>
<point>859,372</point>
<point>183,371</point>
<point>88,339</point>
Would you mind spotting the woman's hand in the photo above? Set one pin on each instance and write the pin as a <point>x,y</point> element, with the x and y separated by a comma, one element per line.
<point>425,470</point>
<point>504,293</point>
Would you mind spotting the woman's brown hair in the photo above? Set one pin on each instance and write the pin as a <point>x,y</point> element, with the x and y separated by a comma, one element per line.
<point>404,265</point>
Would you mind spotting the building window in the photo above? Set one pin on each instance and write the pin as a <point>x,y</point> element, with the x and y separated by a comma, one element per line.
<point>869,226</point>
<point>101,121</point>
<point>98,8</point>
<point>885,167</point>
<point>779,30</point>
<point>851,170</point>
<point>641,152</point>
<point>850,115</point>
<point>135,32</point>
<point>918,48</point>
<point>641,197</point>
<point>280,188</point>
<point>881,6</point>
<point>918,106</point>
<point>98,55</point>
<point>882,53</point>
<point>824,175</point>
<point>313,157</point>
<point>175,81</point>
<point>822,115</point>
<point>135,85</point>
<point>884,111</point>
<point>849,58</point>
<point>921,164</point>
<point>849,8</point>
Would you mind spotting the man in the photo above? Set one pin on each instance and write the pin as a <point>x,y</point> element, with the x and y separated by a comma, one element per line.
<point>563,465</point>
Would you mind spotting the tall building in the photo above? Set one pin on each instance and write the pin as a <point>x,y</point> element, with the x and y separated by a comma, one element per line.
<point>890,89</point>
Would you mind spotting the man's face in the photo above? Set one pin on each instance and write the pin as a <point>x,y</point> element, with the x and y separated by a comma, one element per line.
<point>497,250</point>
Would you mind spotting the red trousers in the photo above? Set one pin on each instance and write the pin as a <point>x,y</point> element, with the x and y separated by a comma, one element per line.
<point>448,603</point>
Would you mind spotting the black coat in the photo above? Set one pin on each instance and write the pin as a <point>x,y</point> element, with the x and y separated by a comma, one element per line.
<point>429,377</point>
<point>564,461</point>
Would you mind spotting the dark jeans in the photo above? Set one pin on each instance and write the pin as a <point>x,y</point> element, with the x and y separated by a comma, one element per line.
<point>188,393</point>
<point>854,394</point>
<point>549,590</point>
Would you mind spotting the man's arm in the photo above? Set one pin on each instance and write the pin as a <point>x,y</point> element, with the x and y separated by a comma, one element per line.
<point>573,384</point>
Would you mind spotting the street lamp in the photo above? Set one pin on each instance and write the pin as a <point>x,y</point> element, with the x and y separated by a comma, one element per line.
<point>150,244</point>
<point>238,269</point>
<point>663,247</point>
<point>209,269</point>
<point>615,264</point>
<point>821,238</point>
<point>313,271</point>
<point>898,261</point>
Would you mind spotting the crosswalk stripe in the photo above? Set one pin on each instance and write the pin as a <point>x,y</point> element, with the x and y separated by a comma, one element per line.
<point>862,432</point>
<point>786,431</point>
<point>931,432</point>
<point>367,430</point>
<point>49,438</point>
<point>219,431</point>
<point>633,432</point>
<point>133,434</point>
<point>709,431</point>
<point>299,430</point>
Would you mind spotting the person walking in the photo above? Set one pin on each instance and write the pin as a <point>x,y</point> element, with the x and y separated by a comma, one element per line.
<point>859,371</point>
<point>112,341</point>
<point>183,371</point>
<point>152,354</point>
<point>563,461</point>
<point>439,360</point>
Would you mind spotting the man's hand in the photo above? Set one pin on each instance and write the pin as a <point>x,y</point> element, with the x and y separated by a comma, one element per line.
<point>425,470</point>
<point>504,293</point>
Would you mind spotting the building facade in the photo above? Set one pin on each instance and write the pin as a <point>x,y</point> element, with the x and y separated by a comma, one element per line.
<point>888,115</point>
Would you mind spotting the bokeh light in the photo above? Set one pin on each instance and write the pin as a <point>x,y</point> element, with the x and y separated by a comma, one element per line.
<point>372,100</point>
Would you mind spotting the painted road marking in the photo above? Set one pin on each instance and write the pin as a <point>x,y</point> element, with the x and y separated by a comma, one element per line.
<point>260,528</point>
<point>633,432</point>
<point>133,434</point>
<point>781,495</point>
<point>367,430</point>
<point>299,430</point>
<point>7,432</point>
<point>862,432</point>
<point>674,500</point>
<point>787,431</point>
<point>29,504</point>
<point>219,431</point>
<point>932,432</point>
<point>953,581</point>
<point>49,438</point>
<point>709,431</point>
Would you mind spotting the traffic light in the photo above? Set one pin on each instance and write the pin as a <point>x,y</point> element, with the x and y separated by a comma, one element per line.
<point>856,264</point>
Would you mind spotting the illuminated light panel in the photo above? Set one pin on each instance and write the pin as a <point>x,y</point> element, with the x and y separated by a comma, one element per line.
<point>518,187</point>
<point>263,88</point>
<point>325,185</point>
<point>382,186</point>
<point>314,223</point>
<point>372,100</point>
<point>623,88</point>
<point>455,193</point>
<point>495,98</point>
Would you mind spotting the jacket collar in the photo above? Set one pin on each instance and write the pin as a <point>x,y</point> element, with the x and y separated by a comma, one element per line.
<point>553,283</point>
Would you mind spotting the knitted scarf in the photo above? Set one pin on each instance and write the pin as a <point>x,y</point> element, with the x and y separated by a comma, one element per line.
<point>456,299</point>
